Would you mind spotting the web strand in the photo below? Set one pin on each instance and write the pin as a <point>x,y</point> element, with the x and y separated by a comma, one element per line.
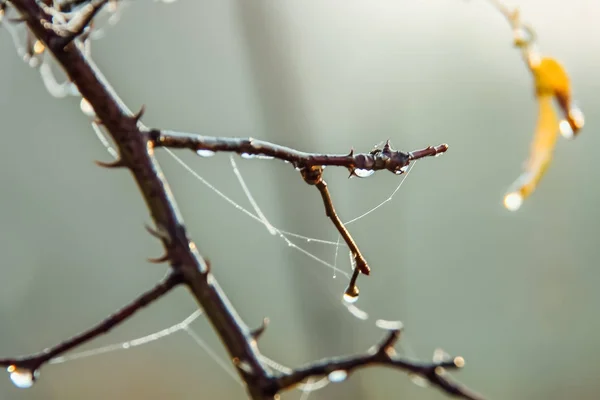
<point>260,217</point>
<point>220,362</point>
<point>279,233</point>
<point>391,196</point>
<point>130,343</point>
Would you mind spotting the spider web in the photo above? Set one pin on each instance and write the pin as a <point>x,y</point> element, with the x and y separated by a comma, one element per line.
<point>290,239</point>
<point>284,237</point>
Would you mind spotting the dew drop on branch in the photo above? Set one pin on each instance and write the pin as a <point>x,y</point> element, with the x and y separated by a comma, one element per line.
<point>363,173</point>
<point>513,201</point>
<point>401,170</point>
<point>440,356</point>
<point>21,377</point>
<point>38,47</point>
<point>577,116</point>
<point>205,153</point>
<point>348,298</point>
<point>337,376</point>
<point>87,108</point>
<point>418,380</point>
<point>565,129</point>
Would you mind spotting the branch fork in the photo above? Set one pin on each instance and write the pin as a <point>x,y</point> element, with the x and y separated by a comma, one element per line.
<point>136,144</point>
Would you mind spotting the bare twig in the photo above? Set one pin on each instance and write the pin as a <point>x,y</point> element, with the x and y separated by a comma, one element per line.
<point>136,152</point>
<point>337,369</point>
<point>35,361</point>
<point>379,159</point>
<point>311,166</point>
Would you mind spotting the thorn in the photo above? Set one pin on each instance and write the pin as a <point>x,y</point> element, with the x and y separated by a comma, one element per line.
<point>158,233</point>
<point>351,154</point>
<point>257,333</point>
<point>159,260</point>
<point>208,264</point>
<point>115,164</point>
<point>139,114</point>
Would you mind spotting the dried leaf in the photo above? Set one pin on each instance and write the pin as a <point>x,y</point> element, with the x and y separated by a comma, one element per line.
<point>540,155</point>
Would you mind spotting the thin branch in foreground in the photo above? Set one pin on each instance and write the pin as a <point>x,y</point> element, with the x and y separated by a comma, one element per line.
<point>314,176</point>
<point>29,365</point>
<point>338,369</point>
<point>379,159</point>
<point>135,144</point>
<point>311,167</point>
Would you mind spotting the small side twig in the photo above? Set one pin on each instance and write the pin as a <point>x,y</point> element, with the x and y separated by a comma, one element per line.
<point>311,167</point>
<point>35,361</point>
<point>379,159</point>
<point>338,369</point>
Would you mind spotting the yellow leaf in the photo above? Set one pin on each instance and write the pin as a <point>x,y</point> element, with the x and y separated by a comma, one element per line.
<point>551,79</point>
<point>542,148</point>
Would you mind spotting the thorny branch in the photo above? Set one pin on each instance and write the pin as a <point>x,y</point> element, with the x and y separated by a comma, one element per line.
<point>310,166</point>
<point>61,28</point>
<point>35,361</point>
<point>382,355</point>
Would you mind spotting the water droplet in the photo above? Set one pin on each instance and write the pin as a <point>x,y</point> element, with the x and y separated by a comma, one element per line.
<point>264,157</point>
<point>86,107</point>
<point>205,153</point>
<point>459,362</point>
<point>351,293</point>
<point>418,380</point>
<point>389,325</point>
<point>337,376</point>
<point>565,129</point>
<point>247,156</point>
<point>22,378</point>
<point>439,356</point>
<point>245,366</point>
<point>363,173</point>
<point>125,345</point>
<point>577,116</point>
<point>349,298</point>
<point>513,201</point>
<point>401,170</point>
<point>308,240</point>
<point>38,47</point>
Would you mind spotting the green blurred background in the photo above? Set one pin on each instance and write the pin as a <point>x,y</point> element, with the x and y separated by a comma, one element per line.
<point>514,293</point>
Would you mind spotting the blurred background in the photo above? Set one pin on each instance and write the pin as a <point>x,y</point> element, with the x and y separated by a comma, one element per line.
<point>514,293</point>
